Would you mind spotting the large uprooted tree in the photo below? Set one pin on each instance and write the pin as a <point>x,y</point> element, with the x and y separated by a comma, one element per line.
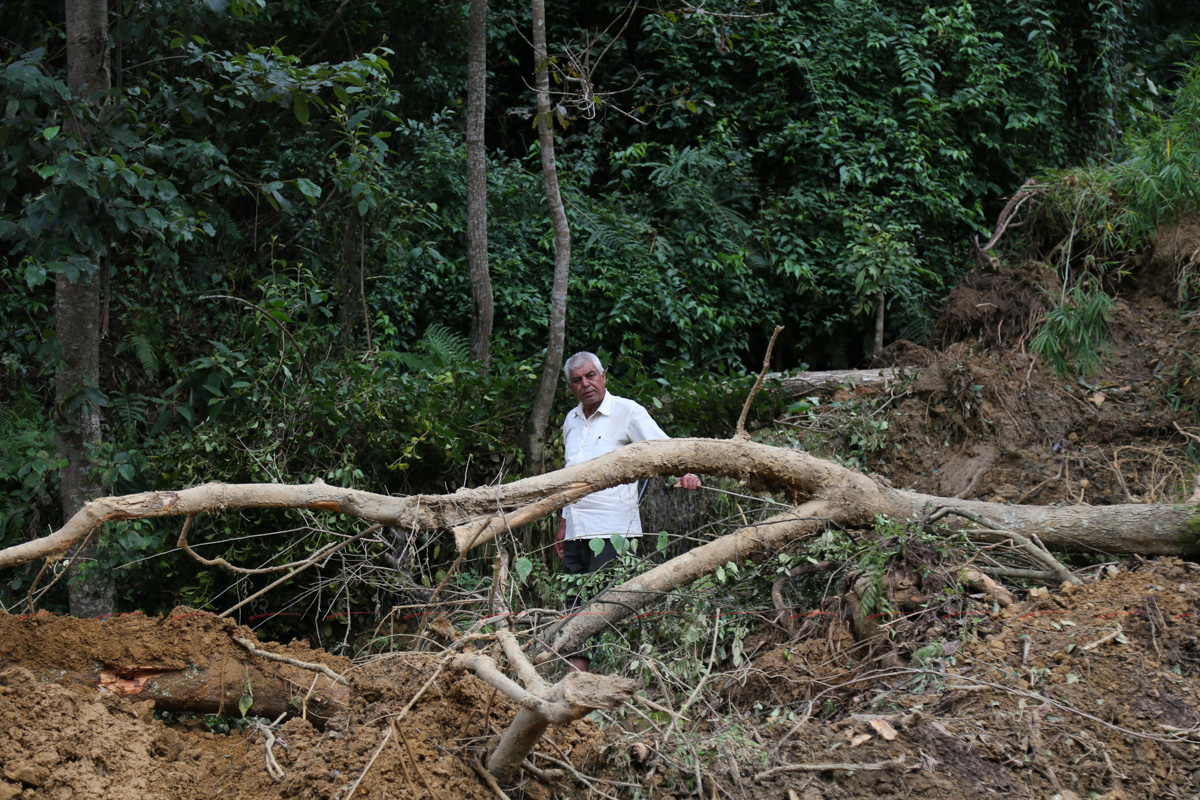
<point>824,495</point>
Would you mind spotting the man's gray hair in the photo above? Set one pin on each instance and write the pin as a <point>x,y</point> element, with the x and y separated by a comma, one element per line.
<point>580,359</point>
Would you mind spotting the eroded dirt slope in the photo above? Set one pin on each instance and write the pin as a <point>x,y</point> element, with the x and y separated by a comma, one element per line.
<point>78,741</point>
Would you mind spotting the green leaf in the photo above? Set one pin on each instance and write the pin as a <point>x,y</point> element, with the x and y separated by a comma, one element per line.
<point>308,188</point>
<point>664,539</point>
<point>596,544</point>
<point>300,106</point>
<point>51,132</point>
<point>247,700</point>
<point>35,274</point>
<point>620,544</point>
<point>523,566</point>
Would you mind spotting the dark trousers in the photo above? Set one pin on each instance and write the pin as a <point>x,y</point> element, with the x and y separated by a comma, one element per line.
<point>580,559</point>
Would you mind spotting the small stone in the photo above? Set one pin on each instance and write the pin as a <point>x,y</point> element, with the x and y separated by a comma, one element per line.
<point>29,774</point>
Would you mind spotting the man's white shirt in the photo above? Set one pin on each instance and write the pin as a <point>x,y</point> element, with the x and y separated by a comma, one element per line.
<point>616,423</point>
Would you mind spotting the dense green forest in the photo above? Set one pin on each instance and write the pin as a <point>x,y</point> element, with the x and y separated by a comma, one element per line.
<point>269,204</point>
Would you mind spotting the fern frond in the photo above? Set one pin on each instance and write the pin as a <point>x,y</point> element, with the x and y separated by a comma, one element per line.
<point>923,654</point>
<point>872,592</point>
<point>145,354</point>
<point>416,362</point>
<point>445,347</point>
<point>129,409</point>
<point>12,518</point>
<point>228,231</point>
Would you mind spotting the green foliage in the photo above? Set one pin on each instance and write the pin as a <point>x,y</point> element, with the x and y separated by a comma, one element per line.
<point>215,723</point>
<point>441,349</point>
<point>276,220</point>
<point>1114,208</point>
<point>1157,183</point>
<point>853,432</point>
<point>867,123</point>
<point>872,598</point>
<point>922,655</point>
<point>1071,339</point>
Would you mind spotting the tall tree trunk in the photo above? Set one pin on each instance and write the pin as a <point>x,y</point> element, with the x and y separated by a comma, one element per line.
<point>482,308</point>
<point>879,303</point>
<point>77,326</point>
<point>539,415</point>
<point>348,279</point>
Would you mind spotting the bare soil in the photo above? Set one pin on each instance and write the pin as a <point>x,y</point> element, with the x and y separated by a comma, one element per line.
<point>77,741</point>
<point>1073,692</point>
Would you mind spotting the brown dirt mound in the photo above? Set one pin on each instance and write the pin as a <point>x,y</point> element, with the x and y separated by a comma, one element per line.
<point>903,353</point>
<point>992,423</point>
<point>1087,692</point>
<point>997,305</point>
<point>79,741</point>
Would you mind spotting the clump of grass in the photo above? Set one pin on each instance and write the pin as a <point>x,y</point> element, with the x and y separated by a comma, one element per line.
<point>1071,338</point>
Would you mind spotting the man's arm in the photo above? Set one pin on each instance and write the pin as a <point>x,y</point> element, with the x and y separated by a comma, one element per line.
<point>642,427</point>
<point>560,541</point>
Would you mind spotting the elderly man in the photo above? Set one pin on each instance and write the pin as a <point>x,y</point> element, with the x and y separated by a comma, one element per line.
<point>601,423</point>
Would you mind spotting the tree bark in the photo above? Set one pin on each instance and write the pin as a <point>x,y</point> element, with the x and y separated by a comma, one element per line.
<point>482,304</point>
<point>827,495</point>
<point>817,382</point>
<point>218,686</point>
<point>77,320</point>
<point>77,327</point>
<point>847,498</point>
<point>539,415</point>
<point>879,311</point>
<point>88,71</point>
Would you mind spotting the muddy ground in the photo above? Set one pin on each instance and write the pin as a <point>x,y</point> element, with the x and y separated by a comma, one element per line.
<point>1069,691</point>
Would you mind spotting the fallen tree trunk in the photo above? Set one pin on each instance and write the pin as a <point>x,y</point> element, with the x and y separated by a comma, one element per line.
<point>187,662</point>
<point>826,495</point>
<point>851,499</point>
<point>220,687</point>
<point>839,497</point>
<point>827,380</point>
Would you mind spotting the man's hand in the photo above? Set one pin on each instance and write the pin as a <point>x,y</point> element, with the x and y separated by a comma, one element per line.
<point>560,541</point>
<point>688,481</point>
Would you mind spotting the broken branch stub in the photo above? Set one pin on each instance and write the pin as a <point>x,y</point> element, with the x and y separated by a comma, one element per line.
<point>570,699</point>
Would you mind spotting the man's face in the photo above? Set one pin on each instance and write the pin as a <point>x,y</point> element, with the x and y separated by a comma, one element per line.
<point>587,384</point>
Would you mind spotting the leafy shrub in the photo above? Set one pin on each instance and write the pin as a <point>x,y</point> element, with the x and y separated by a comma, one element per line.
<point>1071,339</point>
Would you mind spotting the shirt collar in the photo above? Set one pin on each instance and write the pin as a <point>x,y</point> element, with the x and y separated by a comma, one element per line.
<point>604,408</point>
